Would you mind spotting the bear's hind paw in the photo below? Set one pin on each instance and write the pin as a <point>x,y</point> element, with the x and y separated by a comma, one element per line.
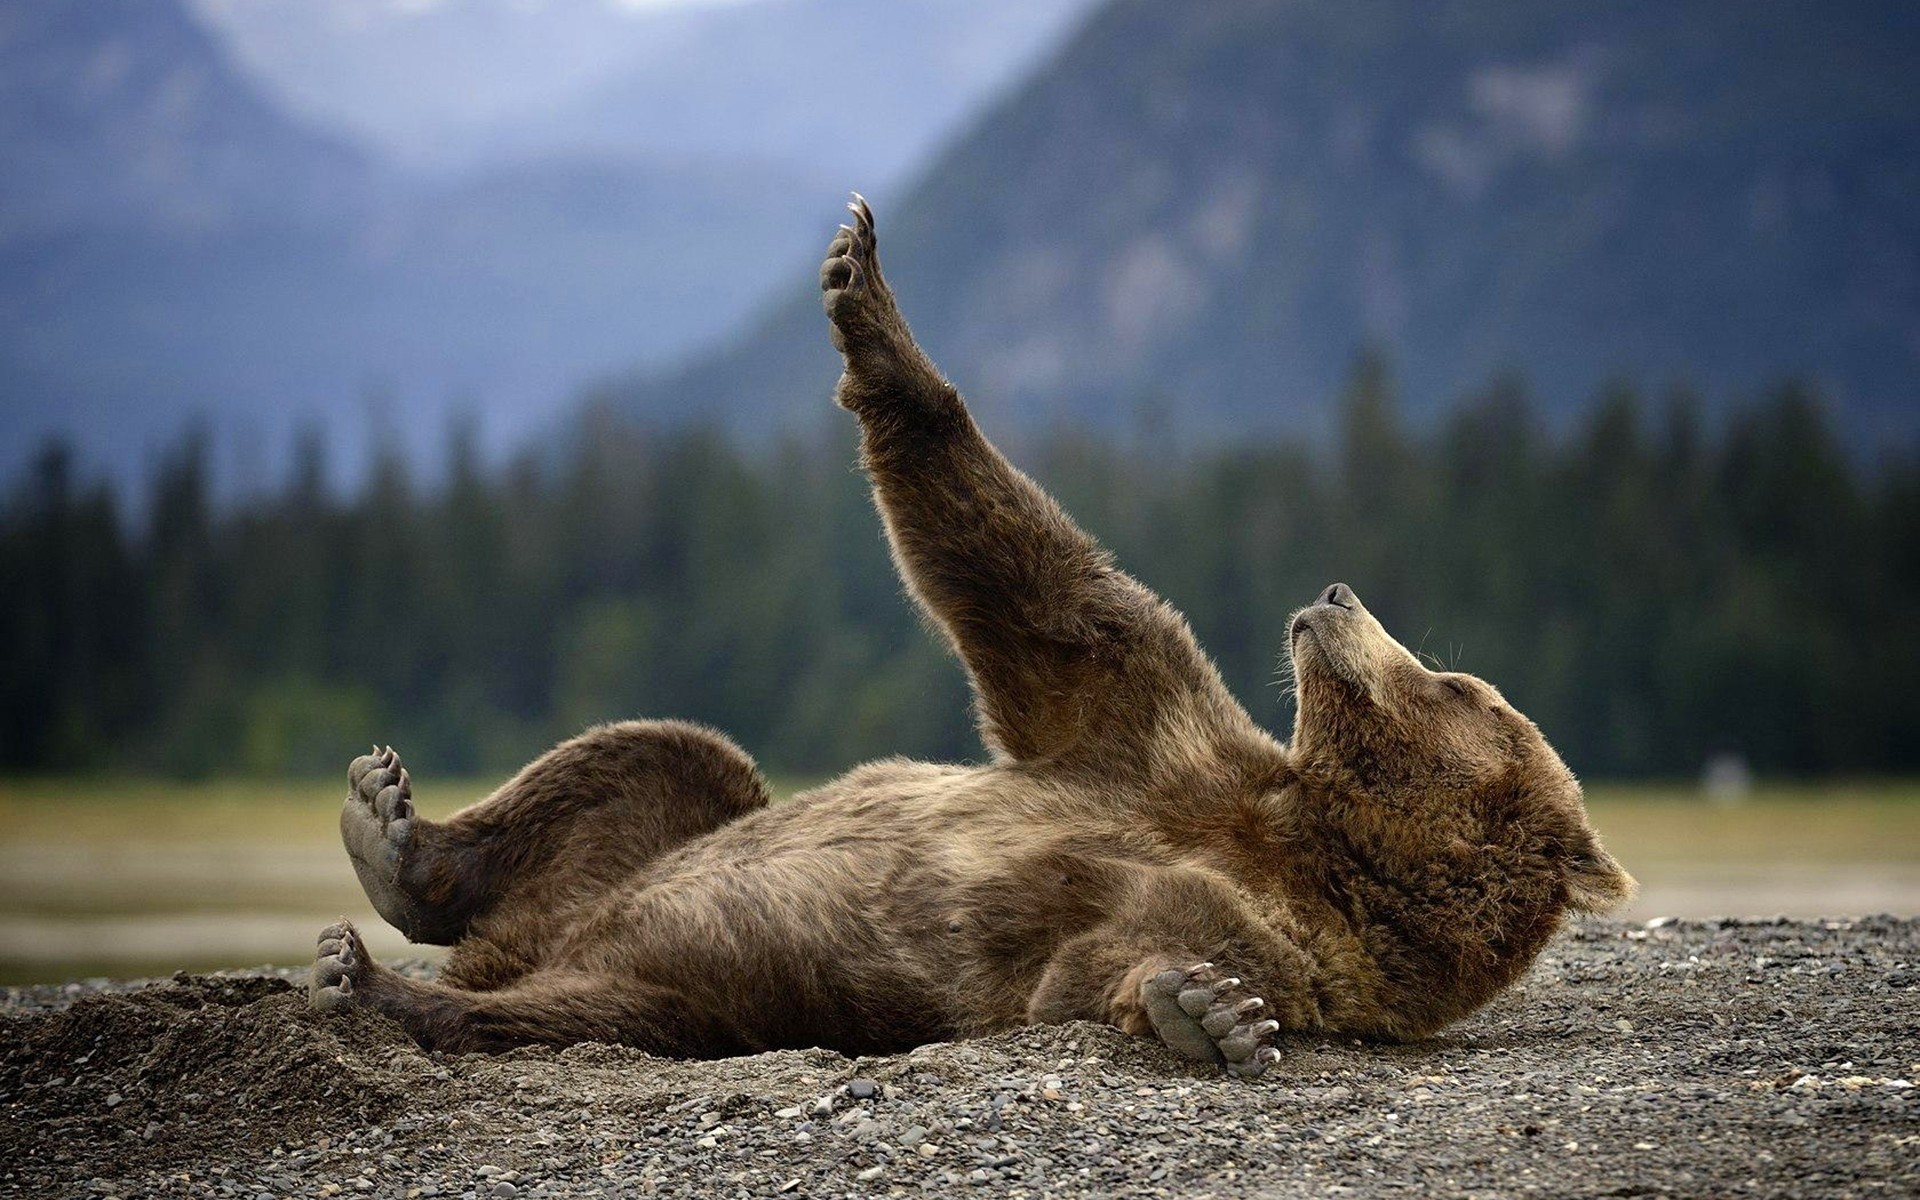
<point>339,959</point>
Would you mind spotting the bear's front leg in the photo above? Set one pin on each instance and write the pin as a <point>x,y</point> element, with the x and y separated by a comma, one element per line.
<point>1068,656</point>
<point>1206,1015</point>
<point>888,379</point>
<point>1198,1010</point>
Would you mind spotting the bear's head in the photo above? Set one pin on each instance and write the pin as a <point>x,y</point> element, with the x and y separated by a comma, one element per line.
<point>1435,766</point>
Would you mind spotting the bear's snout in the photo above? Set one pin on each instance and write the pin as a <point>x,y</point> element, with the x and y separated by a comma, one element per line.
<point>1338,596</point>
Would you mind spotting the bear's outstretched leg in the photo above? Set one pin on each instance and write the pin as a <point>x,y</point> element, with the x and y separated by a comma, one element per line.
<point>578,819</point>
<point>547,1008</point>
<point>1070,658</point>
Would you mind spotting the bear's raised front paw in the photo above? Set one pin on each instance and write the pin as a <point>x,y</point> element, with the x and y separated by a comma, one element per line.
<point>856,297</point>
<point>1208,1016</point>
<point>339,961</point>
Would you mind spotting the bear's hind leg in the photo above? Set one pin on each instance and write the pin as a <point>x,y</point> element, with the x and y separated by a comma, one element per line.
<point>574,822</point>
<point>546,1008</point>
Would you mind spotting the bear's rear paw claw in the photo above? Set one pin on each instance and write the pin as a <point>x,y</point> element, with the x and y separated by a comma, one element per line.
<point>395,803</point>
<point>1207,1017</point>
<point>362,768</point>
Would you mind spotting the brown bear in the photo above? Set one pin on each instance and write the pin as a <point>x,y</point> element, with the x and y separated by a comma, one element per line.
<point>1136,851</point>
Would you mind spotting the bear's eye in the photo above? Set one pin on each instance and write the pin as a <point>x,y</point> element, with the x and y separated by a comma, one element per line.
<point>1458,688</point>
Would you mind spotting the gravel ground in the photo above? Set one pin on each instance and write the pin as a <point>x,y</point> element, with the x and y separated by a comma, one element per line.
<point>1694,1058</point>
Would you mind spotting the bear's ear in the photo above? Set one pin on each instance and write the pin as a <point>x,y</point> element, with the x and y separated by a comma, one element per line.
<point>1595,882</point>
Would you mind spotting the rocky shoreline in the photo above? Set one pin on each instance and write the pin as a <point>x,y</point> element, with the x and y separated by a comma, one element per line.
<point>1725,1058</point>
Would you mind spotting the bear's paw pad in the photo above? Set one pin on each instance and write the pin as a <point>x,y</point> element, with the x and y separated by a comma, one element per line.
<point>1209,1016</point>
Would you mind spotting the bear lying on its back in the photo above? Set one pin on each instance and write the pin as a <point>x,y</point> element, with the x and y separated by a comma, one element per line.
<point>1137,852</point>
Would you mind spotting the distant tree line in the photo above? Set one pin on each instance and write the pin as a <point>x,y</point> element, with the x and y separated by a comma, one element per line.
<point>1654,588</point>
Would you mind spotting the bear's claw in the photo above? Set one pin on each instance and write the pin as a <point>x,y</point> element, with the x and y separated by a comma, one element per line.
<point>1207,1017</point>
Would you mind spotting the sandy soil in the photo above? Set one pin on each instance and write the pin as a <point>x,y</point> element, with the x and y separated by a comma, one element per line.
<point>1722,1058</point>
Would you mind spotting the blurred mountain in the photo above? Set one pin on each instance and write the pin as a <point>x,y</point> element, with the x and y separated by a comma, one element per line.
<point>179,243</point>
<point>124,114</point>
<point>1198,213</point>
<point>453,84</point>
<point>778,82</point>
<point>419,81</point>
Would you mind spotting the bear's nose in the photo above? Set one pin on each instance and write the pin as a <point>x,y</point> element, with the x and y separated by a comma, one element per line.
<point>1341,596</point>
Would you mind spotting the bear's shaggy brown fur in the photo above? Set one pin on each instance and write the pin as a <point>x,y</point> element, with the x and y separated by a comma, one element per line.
<point>1395,865</point>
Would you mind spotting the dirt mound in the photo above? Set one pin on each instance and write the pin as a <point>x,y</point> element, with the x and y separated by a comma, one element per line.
<point>164,1076</point>
<point>1692,1058</point>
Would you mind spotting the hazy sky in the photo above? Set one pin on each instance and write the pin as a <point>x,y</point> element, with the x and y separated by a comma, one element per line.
<point>442,84</point>
<point>417,76</point>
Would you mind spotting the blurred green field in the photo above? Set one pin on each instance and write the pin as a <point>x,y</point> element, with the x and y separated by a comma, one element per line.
<point>137,877</point>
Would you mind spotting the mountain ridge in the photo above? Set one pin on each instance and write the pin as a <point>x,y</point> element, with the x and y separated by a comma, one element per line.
<point>1208,211</point>
<point>178,247</point>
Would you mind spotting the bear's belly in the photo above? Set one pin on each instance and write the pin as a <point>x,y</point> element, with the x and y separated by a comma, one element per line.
<point>819,947</point>
<point>864,918</point>
<point>860,944</point>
